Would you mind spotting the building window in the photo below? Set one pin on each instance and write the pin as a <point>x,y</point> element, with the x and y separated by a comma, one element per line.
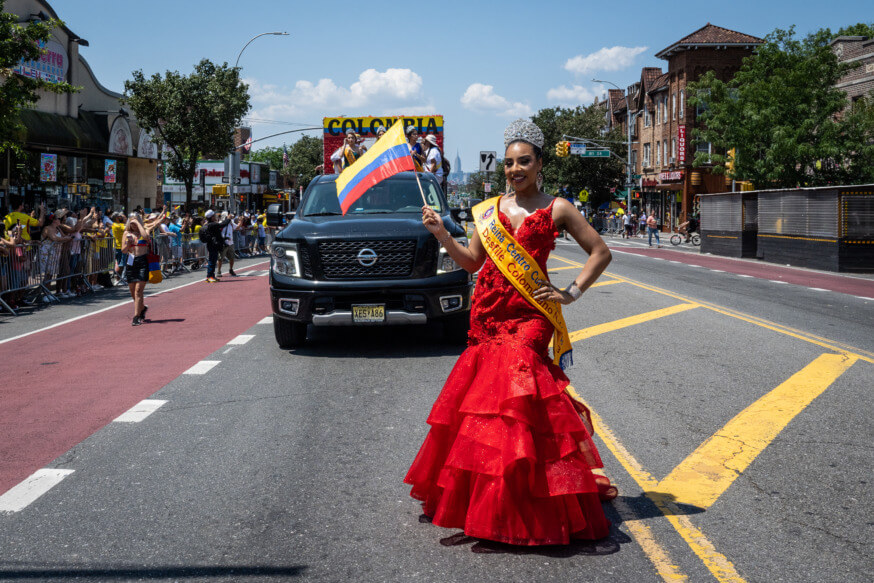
<point>673,106</point>
<point>634,159</point>
<point>702,102</point>
<point>682,103</point>
<point>665,153</point>
<point>658,158</point>
<point>665,109</point>
<point>646,120</point>
<point>673,150</point>
<point>705,148</point>
<point>646,152</point>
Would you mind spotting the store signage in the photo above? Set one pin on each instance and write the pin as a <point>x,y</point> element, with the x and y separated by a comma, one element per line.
<point>215,173</point>
<point>48,167</point>
<point>681,153</point>
<point>51,66</point>
<point>109,171</point>
<point>120,141</point>
<point>671,176</point>
<point>648,182</point>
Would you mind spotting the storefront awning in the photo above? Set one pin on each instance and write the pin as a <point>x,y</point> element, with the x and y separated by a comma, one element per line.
<point>87,133</point>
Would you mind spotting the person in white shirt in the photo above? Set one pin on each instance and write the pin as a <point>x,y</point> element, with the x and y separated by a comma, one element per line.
<point>228,249</point>
<point>434,160</point>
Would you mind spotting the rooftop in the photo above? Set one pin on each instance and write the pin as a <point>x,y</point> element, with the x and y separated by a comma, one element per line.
<point>710,35</point>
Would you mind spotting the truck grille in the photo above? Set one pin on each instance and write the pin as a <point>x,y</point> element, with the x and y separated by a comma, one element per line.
<point>394,258</point>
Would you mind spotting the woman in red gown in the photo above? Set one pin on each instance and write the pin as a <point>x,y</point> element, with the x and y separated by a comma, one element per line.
<point>509,458</point>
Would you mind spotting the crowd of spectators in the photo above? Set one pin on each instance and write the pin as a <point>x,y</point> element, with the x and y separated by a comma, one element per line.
<point>70,253</point>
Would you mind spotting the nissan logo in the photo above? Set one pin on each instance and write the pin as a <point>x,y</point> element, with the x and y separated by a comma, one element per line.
<point>367,257</point>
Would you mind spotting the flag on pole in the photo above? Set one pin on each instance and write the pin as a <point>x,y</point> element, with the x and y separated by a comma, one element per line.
<point>284,156</point>
<point>388,156</point>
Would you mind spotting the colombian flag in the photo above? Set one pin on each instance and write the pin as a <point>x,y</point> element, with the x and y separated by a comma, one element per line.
<point>388,156</point>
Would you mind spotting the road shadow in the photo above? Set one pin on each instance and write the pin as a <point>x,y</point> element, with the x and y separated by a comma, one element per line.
<point>606,546</point>
<point>378,342</point>
<point>164,321</point>
<point>128,573</point>
<point>657,505</point>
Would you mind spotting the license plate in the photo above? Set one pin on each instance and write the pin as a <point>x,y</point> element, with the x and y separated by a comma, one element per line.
<point>368,313</point>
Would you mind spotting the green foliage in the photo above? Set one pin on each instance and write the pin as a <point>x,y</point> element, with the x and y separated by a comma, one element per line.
<point>303,157</point>
<point>781,112</point>
<point>193,115</point>
<point>17,42</point>
<point>597,175</point>
<point>476,180</point>
<point>858,29</point>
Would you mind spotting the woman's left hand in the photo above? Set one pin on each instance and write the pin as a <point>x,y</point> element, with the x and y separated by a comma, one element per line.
<point>550,293</point>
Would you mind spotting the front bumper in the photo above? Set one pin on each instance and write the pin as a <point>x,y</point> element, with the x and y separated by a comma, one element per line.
<point>332,305</point>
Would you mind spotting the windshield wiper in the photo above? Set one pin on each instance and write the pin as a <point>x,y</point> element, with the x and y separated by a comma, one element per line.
<point>327,214</point>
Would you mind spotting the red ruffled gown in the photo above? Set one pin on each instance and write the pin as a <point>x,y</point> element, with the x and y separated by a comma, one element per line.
<point>508,457</point>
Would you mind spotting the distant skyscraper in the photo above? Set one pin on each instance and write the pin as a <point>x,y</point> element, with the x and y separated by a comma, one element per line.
<point>457,166</point>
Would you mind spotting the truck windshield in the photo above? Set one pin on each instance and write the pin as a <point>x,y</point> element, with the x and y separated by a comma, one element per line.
<point>389,196</point>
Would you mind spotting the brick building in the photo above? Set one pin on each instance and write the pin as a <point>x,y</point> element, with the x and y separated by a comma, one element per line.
<point>662,120</point>
<point>856,49</point>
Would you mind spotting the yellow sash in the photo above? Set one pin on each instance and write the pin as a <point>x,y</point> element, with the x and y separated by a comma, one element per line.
<point>349,155</point>
<point>523,272</point>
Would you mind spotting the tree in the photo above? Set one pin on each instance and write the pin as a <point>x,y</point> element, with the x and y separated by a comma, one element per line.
<point>597,176</point>
<point>194,115</point>
<point>21,42</point>
<point>858,29</point>
<point>782,114</point>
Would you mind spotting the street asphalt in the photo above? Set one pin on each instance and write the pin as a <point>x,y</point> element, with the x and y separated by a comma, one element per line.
<point>278,465</point>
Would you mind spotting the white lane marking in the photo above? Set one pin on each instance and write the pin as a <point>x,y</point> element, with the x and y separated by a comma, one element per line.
<point>140,411</point>
<point>742,275</point>
<point>864,298</point>
<point>672,261</point>
<point>241,339</point>
<point>228,350</point>
<point>717,271</point>
<point>777,281</point>
<point>37,484</point>
<point>817,289</point>
<point>95,312</point>
<point>267,320</point>
<point>202,367</point>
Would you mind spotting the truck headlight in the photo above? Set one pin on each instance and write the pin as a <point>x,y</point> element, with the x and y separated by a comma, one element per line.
<point>286,259</point>
<point>445,263</point>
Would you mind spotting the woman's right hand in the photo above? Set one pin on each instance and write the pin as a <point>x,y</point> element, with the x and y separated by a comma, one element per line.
<point>433,223</point>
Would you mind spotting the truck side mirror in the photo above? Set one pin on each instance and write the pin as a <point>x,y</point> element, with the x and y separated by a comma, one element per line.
<point>274,215</point>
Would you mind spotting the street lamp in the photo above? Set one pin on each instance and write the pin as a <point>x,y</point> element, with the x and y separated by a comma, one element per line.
<point>237,64</point>
<point>631,120</point>
<point>232,158</point>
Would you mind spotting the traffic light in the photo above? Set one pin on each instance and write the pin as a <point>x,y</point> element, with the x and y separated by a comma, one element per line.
<point>729,163</point>
<point>562,149</point>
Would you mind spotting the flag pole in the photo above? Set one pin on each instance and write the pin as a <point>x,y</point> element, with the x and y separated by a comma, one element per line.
<point>422,192</point>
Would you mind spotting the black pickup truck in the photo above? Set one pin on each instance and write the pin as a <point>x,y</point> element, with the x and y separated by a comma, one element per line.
<point>376,265</point>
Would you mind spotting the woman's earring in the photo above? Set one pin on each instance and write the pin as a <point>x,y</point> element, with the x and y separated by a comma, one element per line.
<point>539,180</point>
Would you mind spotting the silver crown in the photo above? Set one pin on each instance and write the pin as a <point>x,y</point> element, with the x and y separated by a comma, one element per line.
<point>525,130</point>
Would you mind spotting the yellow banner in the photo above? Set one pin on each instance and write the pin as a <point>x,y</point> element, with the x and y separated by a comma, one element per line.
<point>523,272</point>
<point>367,126</point>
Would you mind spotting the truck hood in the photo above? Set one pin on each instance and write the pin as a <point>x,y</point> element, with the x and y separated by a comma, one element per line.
<point>367,226</point>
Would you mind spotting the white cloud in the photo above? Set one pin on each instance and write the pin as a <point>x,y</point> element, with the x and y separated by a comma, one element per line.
<point>479,97</point>
<point>606,59</point>
<point>576,95</point>
<point>390,88</point>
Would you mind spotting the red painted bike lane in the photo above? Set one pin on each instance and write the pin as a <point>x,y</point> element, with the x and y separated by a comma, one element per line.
<point>812,279</point>
<point>62,384</point>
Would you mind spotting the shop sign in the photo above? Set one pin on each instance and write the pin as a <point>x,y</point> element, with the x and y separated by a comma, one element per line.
<point>255,171</point>
<point>51,66</point>
<point>146,147</point>
<point>215,171</point>
<point>48,167</point>
<point>645,182</point>
<point>674,176</point>
<point>681,144</point>
<point>109,171</point>
<point>120,141</point>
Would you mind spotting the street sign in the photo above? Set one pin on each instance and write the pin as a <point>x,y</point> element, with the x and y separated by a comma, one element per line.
<point>238,180</point>
<point>226,179</point>
<point>487,187</point>
<point>577,149</point>
<point>487,161</point>
<point>595,154</point>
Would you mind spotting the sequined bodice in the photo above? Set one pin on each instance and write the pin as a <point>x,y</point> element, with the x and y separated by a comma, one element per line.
<point>499,313</point>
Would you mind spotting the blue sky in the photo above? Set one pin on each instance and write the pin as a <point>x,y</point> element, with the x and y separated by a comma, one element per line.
<point>479,64</point>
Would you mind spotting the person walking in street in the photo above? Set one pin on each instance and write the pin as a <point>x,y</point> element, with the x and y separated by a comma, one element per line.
<point>227,251</point>
<point>509,456</point>
<point>137,243</point>
<point>652,228</point>
<point>211,235</point>
<point>627,224</point>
